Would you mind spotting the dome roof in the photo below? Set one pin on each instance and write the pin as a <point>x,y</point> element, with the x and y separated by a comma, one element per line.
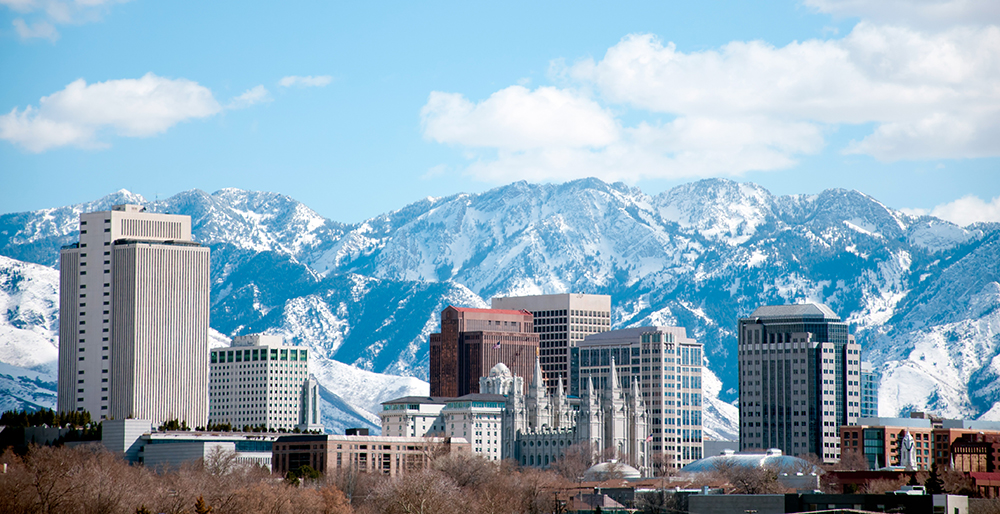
<point>500,370</point>
<point>772,458</point>
<point>608,470</point>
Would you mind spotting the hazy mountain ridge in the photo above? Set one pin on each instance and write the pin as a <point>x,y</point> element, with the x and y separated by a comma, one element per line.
<point>698,255</point>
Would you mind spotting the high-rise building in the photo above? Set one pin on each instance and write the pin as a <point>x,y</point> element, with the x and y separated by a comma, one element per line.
<point>561,321</point>
<point>800,379</point>
<point>869,391</point>
<point>133,324</point>
<point>472,341</point>
<point>260,381</point>
<point>666,366</point>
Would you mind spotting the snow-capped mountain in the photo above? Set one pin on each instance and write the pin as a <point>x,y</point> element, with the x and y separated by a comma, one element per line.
<point>921,293</point>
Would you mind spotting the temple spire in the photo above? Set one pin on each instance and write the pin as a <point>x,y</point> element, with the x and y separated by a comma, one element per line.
<point>537,384</point>
<point>612,389</point>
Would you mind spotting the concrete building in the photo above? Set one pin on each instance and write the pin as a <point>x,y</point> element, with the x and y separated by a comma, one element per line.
<point>800,379</point>
<point>476,418</point>
<point>869,391</point>
<point>133,323</point>
<point>260,381</point>
<point>386,455</point>
<point>472,341</point>
<point>137,442</point>
<point>413,416</point>
<point>561,321</point>
<point>665,367</point>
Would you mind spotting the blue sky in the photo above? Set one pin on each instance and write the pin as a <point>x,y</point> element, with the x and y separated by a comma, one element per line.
<point>361,108</point>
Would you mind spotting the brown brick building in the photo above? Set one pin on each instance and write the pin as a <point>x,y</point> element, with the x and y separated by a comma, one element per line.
<point>472,341</point>
<point>968,446</point>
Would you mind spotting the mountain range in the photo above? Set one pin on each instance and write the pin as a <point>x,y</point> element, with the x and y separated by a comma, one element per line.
<point>921,294</point>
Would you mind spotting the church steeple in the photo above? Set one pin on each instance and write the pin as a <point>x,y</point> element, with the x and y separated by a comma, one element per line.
<point>612,390</point>
<point>537,387</point>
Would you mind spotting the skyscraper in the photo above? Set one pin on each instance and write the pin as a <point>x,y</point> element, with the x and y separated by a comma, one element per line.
<point>667,366</point>
<point>472,341</point>
<point>561,321</point>
<point>800,379</point>
<point>133,327</point>
<point>869,391</point>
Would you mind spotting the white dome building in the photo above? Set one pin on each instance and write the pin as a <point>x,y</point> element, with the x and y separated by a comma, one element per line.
<point>610,470</point>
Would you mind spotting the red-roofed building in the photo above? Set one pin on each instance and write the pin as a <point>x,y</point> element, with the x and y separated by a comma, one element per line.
<point>472,341</point>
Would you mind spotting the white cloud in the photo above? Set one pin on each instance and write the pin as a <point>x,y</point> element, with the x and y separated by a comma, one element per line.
<point>925,13</point>
<point>518,119</point>
<point>558,134</point>
<point>130,107</point>
<point>39,29</point>
<point>307,81</point>
<point>55,12</point>
<point>966,210</point>
<point>685,147</point>
<point>252,96</point>
<point>928,94</point>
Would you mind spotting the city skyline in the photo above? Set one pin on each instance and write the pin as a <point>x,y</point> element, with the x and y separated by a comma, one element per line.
<point>435,100</point>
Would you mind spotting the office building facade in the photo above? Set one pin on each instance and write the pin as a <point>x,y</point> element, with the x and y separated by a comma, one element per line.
<point>333,454</point>
<point>800,379</point>
<point>133,327</point>
<point>472,341</point>
<point>561,321</point>
<point>666,367</point>
<point>869,391</point>
<point>260,381</point>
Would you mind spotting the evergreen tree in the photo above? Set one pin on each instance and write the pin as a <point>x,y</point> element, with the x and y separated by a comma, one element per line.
<point>934,484</point>
<point>200,507</point>
<point>913,479</point>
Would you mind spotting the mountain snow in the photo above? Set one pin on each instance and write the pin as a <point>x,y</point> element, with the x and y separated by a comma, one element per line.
<point>920,293</point>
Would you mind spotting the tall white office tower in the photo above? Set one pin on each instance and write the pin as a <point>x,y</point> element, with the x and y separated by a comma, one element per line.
<point>561,321</point>
<point>133,324</point>
<point>260,381</point>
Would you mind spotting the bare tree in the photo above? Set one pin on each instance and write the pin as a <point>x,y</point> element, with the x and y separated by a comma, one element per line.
<point>465,469</point>
<point>663,464</point>
<point>424,492</point>
<point>335,501</point>
<point>575,460</point>
<point>882,485</point>
<point>957,482</point>
<point>852,460</point>
<point>51,473</point>
<point>746,479</point>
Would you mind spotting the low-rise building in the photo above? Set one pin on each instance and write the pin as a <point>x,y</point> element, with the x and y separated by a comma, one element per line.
<point>137,442</point>
<point>386,455</point>
<point>413,416</point>
<point>948,443</point>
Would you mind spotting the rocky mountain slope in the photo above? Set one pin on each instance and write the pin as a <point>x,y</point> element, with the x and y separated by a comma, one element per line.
<point>921,293</point>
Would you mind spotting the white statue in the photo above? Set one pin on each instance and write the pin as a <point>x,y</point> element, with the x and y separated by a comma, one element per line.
<point>906,453</point>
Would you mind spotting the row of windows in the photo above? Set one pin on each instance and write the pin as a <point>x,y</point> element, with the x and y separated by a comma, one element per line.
<point>258,355</point>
